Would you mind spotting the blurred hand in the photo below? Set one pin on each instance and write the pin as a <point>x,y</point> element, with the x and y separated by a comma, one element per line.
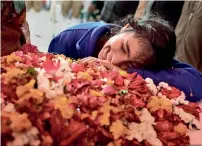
<point>26,32</point>
<point>91,8</point>
<point>107,64</point>
<point>140,9</point>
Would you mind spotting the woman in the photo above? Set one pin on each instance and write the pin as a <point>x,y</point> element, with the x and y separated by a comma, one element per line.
<point>14,27</point>
<point>146,46</point>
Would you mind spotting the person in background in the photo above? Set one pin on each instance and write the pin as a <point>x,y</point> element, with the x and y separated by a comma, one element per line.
<point>116,10</point>
<point>168,10</point>
<point>14,27</point>
<point>146,45</point>
<point>189,34</point>
<point>36,5</point>
<point>75,6</point>
<point>94,10</point>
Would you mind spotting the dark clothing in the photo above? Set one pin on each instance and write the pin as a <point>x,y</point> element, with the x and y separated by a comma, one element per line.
<point>169,10</point>
<point>115,10</point>
<point>98,4</point>
<point>80,41</point>
<point>189,34</point>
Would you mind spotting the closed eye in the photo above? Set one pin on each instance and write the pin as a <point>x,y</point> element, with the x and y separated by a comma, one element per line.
<point>126,49</point>
<point>122,49</point>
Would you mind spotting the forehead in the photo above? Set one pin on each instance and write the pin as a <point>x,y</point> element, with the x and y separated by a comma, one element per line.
<point>130,39</point>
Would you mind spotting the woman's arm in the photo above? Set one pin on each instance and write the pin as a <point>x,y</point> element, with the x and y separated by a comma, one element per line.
<point>186,79</point>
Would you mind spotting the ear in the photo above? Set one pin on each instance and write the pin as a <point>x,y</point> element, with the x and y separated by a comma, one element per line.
<point>123,28</point>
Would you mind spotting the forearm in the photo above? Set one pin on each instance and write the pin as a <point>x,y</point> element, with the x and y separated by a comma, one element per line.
<point>141,9</point>
<point>26,32</point>
<point>187,80</point>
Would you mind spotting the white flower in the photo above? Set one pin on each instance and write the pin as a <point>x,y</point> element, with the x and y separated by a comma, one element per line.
<point>133,132</point>
<point>154,141</point>
<point>9,108</point>
<point>146,116</point>
<point>180,99</point>
<point>53,89</point>
<point>29,137</point>
<point>161,95</point>
<point>152,87</point>
<point>144,130</point>
<point>187,117</point>
<point>164,85</point>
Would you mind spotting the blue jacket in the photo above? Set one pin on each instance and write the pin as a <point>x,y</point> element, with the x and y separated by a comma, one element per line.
<point>79,41</point>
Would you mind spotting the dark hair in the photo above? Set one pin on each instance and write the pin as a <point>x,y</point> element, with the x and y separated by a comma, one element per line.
<point>158,32</point>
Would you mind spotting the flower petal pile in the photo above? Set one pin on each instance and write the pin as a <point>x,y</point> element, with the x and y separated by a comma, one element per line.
<point>51,100</point>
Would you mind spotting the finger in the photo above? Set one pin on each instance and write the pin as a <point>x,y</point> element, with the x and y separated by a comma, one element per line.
<point>109,65</point>
<point>84,60</point>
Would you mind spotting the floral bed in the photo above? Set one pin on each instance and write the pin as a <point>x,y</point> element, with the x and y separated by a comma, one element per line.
<point>49,100</point>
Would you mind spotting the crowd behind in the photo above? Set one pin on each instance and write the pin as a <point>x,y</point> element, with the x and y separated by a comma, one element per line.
<point>184,16</point>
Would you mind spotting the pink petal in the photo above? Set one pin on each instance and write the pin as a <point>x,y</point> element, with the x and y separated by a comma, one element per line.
<point>19,53</point>
<point>77,67</point>
<point>109,90</point>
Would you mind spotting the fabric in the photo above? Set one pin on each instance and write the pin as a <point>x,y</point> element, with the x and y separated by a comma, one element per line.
<point>169,10</point>
<point>98,4</point>
<point>19,6</point>
<point>189,34</point>
<point>115,10</point>
<point>79,42</point>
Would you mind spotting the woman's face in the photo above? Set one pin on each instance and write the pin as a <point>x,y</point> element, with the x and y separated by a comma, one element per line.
<point>123,50</point>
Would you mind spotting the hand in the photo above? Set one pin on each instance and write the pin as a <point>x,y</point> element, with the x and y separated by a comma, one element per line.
<point>91,8</point>
<point>108,65</point>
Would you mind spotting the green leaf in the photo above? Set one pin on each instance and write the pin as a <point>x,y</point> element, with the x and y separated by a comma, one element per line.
<point>121,92</point>
<point>31,70</point>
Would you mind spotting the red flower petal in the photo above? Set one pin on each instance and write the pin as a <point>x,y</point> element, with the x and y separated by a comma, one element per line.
<point>137,102</point>
<point>50,66</point>
<point>77,67</point>
<point>119,81</point>
<point>109,90</point>
<point>29,48</point>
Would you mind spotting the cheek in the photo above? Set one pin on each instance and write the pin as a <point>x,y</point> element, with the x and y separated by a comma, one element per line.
<point>103,53</point>
<point>116,43</point>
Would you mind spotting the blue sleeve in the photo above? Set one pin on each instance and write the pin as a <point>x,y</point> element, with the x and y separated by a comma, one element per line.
<point>65,43</point>
<point>186,79</point>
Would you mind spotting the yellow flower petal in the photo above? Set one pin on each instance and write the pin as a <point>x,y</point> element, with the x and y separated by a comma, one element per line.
<point>123,73</point>
<point>118,129</point>
<point>95,93</point>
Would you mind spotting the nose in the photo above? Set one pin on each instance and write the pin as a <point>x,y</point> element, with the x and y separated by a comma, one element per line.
<point>118,59</point>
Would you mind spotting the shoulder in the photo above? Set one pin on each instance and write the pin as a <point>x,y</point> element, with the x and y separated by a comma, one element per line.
<point>79,29</point>
<point>87,25</point>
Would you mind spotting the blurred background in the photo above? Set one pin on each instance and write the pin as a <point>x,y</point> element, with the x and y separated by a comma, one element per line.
<point>48,18</point>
